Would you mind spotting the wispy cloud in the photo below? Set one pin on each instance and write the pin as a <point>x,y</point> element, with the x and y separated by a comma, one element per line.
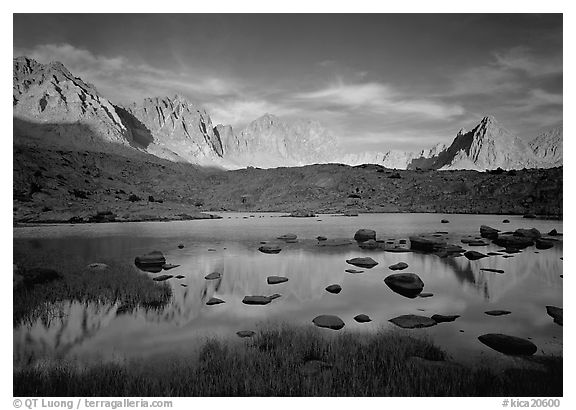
<point>122,81</point>
<point>378,98</point>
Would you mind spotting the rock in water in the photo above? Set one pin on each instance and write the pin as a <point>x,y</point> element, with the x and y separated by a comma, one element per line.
<point>213,276</point>
<point>543,244</point>
<point>362,318</point>
<point>274,280</point>
<point>214,301</point>
<point>422,244</point>
<point>512,241</point>
<point>445,221</point>
<point>413,321</point>
<point>270,249</point>
<point>492,270</point>
<point>334,289</point>
<point>510,345</point>
<point>553,232</point>
<point>367,262</point>
<point>151,262</point>
<point>556,313</point>
<point>444,318</point>
<point>406,284</point>
<point>162,278</point>
<point>531,233</point>
<point>370,244</point>
<point>353,271</point>
<point>498,312</point>
<point>362,235</point>
<point>328,321</point>
<point>288,237</point>
<point>256,300</point>
<point>488,232</point>
<point>168,266</point>
<point>321,238</point>
<point>180,246</point>
<point>398,266</point>
<point>425,295</point>
<point>506,221</point>
<point>302,214</point>
<point>473,255</point>
<point>245,333</point>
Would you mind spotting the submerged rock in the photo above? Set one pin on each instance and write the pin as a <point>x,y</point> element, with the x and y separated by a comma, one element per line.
<point>413,321</point>
<point>270,249</point>
<point>473,255</point>
<point>162,278</point>
<point>168,266</point>
<point>354,271</point>
<point>214,301</point>
<point>256,300</point>
<point>213,276</point>
<point>420,243</point>
<point>288,237</point>
<point>498,312</point>
<point>406,284</point>
<point>362,235</point>
<point>425,295</point>
<point>362,318</point>
<point>556,313</point>
<point>510,345</point>
<point>245,333</point>
<point>444,318</point>
<point>274,280</point>
<point>366,262</point>
<point>328,321</point>
<point>334,289</point>
<point>398,266</point>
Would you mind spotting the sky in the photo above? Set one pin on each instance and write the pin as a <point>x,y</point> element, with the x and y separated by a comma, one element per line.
<point>376,81</point>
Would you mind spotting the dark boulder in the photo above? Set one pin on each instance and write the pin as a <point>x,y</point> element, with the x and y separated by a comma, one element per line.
<point>214,301</point>
<point>288,237</point>
<point>512,241</point>
<point>543,244</point>
<point>488,232</point>
<point>321,238</point>
<point>492,270</point>
<point>497,312</point>
<point>473,255</point>
<point>213,276</point>
<point>362,235</point>
<point>553,232</point>
<point>334,289</point>
<point>445,221</point>
<point>370,244</point>
<point>270,249</point>
<point>413,321</point>
<point>362,262</point>
<point>168,266</point>
<point>420,243</point>
<point>256,300</point>
<point>329,322</point>
<point>353,271</point>
<point>398,266</point>
<point>510,345</point>
<point>150,262</point>
<point>362,318</point>
<point>444,318</point>
<point>406,284</point>
<point>531,233</point>
<point>274,280</point>
<point>556,313</point>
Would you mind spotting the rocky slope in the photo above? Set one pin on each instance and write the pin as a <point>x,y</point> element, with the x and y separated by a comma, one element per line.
<point>173,128</point>
<point>271,142</point>
<point>52,107</point>
<point>61,186</point>
<point>548,146</point>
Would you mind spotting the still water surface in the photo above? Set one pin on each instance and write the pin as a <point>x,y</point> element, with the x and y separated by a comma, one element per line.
<point>89,332</point>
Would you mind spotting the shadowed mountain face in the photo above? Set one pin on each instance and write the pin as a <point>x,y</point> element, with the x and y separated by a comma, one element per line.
<point>53,108</point>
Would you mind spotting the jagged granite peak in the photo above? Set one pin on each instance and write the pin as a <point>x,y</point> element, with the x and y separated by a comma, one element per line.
<point>174,128</point>
<point>270,141</point>
<point>547,146</point>
<point>487,146</point>
<point>52,106</point>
